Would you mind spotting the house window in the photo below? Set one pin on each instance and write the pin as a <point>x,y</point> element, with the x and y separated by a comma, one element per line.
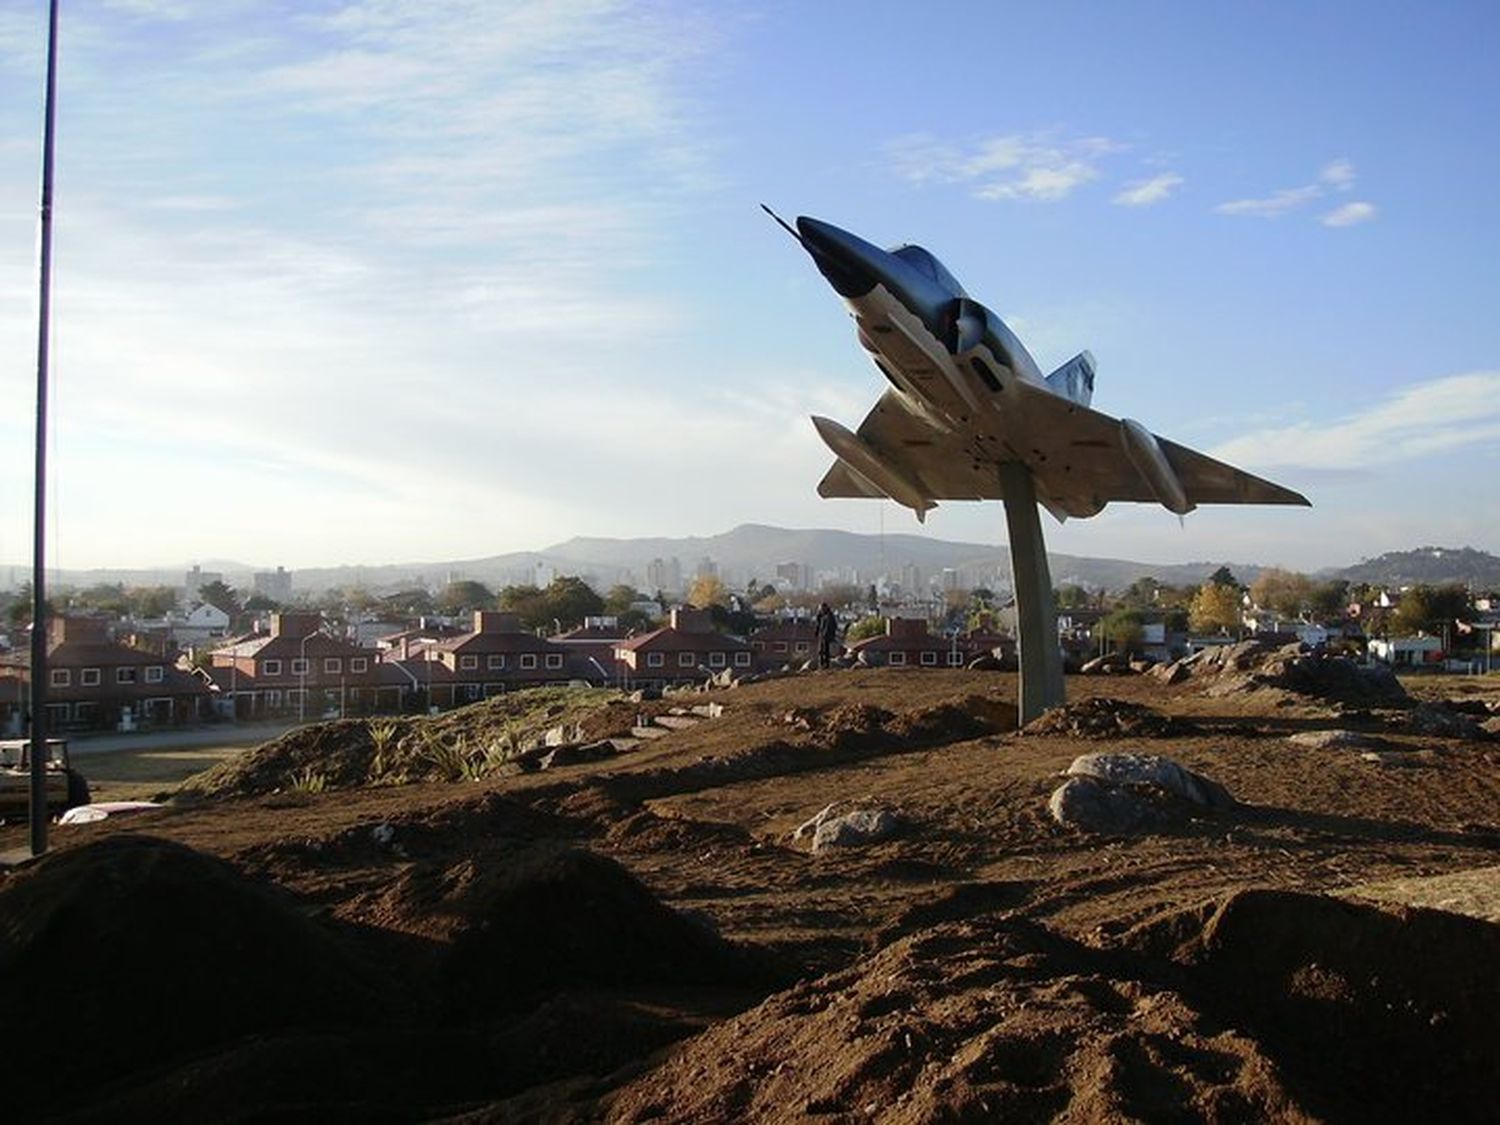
<point>273,698</point>
<point>716,660</point>
<point>802,646</point>
<point>333,665</point>
<point>779,646</point>
<point>742,660</point>
<point>929,659</point>
<point>687,659</point>
<point>271,668</point>
<point>468,663</point>
<point>472,691</point>
<point>299,666</point>
<point>497,660</point>
<point>154,674</point>
<point>655,659</point>
<point>955,660</point>
<point>897,658</point>
<point>554,660</point>
<point>61,677</point>
<point>124,675</point>
<point>89,677</point>
<point>359,664</point>
<point>528,660</point>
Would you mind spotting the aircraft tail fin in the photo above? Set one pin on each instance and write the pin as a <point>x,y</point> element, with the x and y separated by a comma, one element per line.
<point>1074,380</point>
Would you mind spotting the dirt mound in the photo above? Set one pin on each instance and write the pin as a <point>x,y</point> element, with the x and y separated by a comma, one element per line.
<point>1313,672</point>
<point>185,953</point>
<point>1409,998</point>
<point>556,920</point>
<point>1102,717</point>
<point>989,1020</point>
<point>469,743</point>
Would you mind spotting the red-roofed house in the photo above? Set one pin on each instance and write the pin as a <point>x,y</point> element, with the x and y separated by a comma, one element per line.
<point>96,683</point>
<point>906,643</point>
<point>296,669</point>
<point>686,649</point>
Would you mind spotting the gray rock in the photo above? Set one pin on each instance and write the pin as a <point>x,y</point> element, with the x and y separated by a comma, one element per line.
<point>1091,805</point>
<point>1153,770</point>
<point>1396,758</point>
<point>810,826</point>
<point>830,828</point>
<point>859,826</point>
<point>1173,673</point>
<point>572,754</point>
<point>1331,740</point>
<point>1438,721</point>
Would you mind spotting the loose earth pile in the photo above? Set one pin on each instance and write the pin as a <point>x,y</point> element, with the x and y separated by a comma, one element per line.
<point>645,935</point>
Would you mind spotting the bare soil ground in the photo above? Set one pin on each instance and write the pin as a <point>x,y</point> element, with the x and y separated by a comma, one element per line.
<point>640,937</point>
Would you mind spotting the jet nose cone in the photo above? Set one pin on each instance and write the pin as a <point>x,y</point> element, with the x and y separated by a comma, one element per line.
<point>851,265</point>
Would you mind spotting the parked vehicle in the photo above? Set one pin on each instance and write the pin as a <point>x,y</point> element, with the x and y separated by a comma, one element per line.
<point>66,787</point>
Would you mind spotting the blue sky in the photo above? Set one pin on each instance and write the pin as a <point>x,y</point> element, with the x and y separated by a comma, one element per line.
<point>382,281</point>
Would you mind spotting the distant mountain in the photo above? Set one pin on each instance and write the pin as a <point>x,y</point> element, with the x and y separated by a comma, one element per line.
<point>1434,566</point>
<point>745,552</point>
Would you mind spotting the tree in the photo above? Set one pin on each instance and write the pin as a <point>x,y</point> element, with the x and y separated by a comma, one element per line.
<point>841,594</point>
<point>864,627</point>
<point>1215,608</point>
<point>527,603</point>
<point>620,598</point>
<point>708,590</point>
<point>1224,577</point>
<point>464,596</point>
<point>221,596</point>
<point>152,601</point>
<point>415,602</point>
<point>1284,592</point>
<point>1329,600</point>
<point>569,599</point>
<point>1142,593</point>
<point>1070,596</point>
<point>104,597</point>
<point>1124,628</point>
<point>1429,609</point>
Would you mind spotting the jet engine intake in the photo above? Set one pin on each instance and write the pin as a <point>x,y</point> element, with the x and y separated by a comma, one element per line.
<point>965,323</point>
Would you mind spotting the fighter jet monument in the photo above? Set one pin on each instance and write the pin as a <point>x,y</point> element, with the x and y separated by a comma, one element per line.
<point>968,415</point>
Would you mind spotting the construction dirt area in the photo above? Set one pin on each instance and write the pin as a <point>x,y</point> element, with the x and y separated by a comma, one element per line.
<point>1262,886</point>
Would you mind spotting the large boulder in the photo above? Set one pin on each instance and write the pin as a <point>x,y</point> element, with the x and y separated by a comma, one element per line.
<point>1152,770</point>
<point>1091,805</point>
<point>833,829</point>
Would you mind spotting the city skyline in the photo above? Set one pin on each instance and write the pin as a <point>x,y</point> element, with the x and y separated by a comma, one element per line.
<point>363,282</point>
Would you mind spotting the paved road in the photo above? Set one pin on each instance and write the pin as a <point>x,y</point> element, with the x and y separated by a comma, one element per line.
<point>220,734</point>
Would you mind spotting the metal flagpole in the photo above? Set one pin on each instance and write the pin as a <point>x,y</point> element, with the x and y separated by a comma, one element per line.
<point>38,804</point>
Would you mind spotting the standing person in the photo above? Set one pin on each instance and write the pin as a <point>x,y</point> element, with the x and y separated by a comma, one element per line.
<point>827,627</point>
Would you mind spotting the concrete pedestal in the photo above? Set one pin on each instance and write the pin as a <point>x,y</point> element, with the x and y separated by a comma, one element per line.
<point>1036,610</point>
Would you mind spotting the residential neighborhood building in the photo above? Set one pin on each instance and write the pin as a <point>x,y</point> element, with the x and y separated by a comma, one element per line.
<point>1407,652</point>
<point>907,643</point>
<point>297,668</point>
<point>687,648</point>
<point>791,641</point>
<point>95,682</point>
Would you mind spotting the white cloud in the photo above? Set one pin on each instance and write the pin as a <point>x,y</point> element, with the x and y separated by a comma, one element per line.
<point>1144,193</point>
<point>1350,214</point>
<point>1025,166</point>
<point>1272,206</point>
<point>1337,175</point>
<point>1439,416</point>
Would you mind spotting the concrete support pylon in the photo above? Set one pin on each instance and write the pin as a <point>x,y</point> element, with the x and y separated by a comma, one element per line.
<point>1036,609</point>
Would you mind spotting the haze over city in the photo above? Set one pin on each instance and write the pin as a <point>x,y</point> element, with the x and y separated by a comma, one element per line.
<point>380,282</point>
